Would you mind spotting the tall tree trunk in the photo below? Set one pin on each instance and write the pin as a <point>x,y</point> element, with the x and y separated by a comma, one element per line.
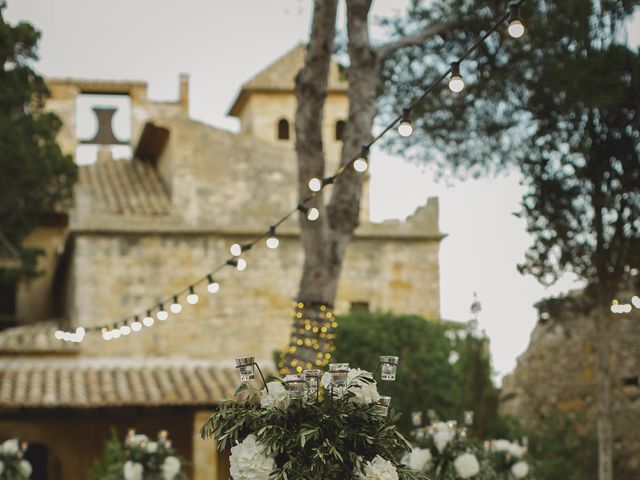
<point>325,241</point>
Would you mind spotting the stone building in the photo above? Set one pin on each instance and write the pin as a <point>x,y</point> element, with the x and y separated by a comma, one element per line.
<point>557,374</point>
<point>146,227</point>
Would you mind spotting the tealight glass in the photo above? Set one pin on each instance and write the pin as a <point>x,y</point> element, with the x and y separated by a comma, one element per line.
<point>339,372</point>
<point>388,367</point>
<point>296,385</point>
<point>416,418</point>
<point>382,406</point>
<point>312,381</point>
<point>468,417</point>
<point>245,366</point>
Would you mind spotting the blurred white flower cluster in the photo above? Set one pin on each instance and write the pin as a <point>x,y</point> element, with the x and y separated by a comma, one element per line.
<point>248,461</point>
<point>378,469</point>
<point>12,463</point>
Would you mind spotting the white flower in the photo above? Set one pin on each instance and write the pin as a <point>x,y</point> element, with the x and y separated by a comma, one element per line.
<point>276,397</point>
<point>248,461</point>
<point>1,467</point>
<point>442,437</point>
<point>10,447</point>
<point>25,468</point>
<point>152,447</point>
<point>516,450</point>
<point>418,459</point>
<point>133,470</point>
<point>466,465</point>
<point>520,469</point>
<point>170,467</point>
<point>379,469</point>
<point>365,390</point>
<point>508,447</point>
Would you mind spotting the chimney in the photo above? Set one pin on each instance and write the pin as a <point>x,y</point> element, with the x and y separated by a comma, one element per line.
<point>184,93</point>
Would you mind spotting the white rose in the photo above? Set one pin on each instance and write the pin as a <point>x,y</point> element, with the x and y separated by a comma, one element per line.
<point>248,461</point>
<point>520,469</point>
<point>25,468</point>
<point>442,438</point>
<point>152,447</point>
<point>1,467</point>
<point>170,468</point>
<point>133,470</point>
<point>365,390</point>
<point>516,450</point>
<point>277,396</point>
<point>10,447</point>
<point>466,465</point>
<point>418,459</point>
<point>379,469</point>
<point>500,445</point>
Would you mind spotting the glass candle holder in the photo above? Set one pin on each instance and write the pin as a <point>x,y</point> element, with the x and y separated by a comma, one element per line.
<point>168,444</point>
<point>452,424</point>
<point>312,381</point>
<point>339,372</point>
<point>245,366</point>
<point>388,367</point>
<point>420,434</point>
<point>162,435</point>
<point>382,406</point>
<point>468,417</point>
<point>462,432</point>
<point>416,418</point>
<point>296,385</point>
<point>131,434</point>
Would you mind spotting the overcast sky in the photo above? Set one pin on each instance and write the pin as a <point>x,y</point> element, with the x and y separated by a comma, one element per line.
<point>221,44</point>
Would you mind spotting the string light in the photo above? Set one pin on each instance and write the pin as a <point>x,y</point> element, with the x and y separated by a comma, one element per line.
<point>361,163</point>
<point>516,28</point>
<point>148,320</point>
<point>192,298</point>
<point>272,240</point>
<point>213,286</point>
<point>635,300</point>
<point>456,83</point>
<point>405,129</point>
<point>175,307</point>
<point>162,314</point>
<point>125,329</point>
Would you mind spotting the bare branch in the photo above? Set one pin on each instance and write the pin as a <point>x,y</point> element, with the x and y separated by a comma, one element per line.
<point>409,41</point>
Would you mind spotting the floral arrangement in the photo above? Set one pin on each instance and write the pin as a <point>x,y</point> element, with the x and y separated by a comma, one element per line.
<point>140,458</point>
<point>12,464</point>
<point>444,451</point>
<point>331,426</point>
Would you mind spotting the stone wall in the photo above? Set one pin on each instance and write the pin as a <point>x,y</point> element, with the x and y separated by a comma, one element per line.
<point>557,373</point>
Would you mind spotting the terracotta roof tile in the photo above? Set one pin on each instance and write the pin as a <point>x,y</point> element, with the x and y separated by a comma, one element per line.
<point>94,382</point>
<point>126,187</point>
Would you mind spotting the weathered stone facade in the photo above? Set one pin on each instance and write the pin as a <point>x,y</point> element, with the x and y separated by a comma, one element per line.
<point>144,228</point>
<point>557,373</point>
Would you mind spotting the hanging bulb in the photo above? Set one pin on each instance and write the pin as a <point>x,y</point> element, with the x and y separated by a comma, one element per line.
<point>175,307</point>
<point>106,334</point>
<point>237,249</point>
<point>405,128</point>
<point>516,28</point>
<point>162,314</point>
<point>58,334</point>
<point>125,330</point>
<point>456,83</point>
<point>136,326</point>
<point>213,286</point>
<point>361,163</point>
<point>148,321</point>
<point>313,214</point>
<point>115,333</point>
<point>315,184</point>
<point>272,240</point>
<point>241,264</point>
<point>192,298</point>
<point>66,336</point>
<point>80,332</point>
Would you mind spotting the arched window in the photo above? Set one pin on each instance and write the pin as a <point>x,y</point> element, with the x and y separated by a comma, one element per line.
<point>283,129</point>
<point>340,124</point>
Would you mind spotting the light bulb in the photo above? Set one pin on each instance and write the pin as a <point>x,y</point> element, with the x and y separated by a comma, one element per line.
<point>115,333</point>
<point>213,286</point>
<point>80,331</point>
<point>315,184</point>
<point>136,326</point>
<point>66,336</point>
<point>192,298</point>
<point>148,321</point>
<point>273,242</point>
<point>235,249</point>
<point>175,307</point>
<point>456,84</point>
<point>106,334</point>
<point>635,300</point>
<point>242,264</point>
<point>516,28</point>
<point>162,314</point>
<point>125,330</point>
<point>360,165</point>
<point>59,334</point>
<point>405,128</point>
<point>313,214</point>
